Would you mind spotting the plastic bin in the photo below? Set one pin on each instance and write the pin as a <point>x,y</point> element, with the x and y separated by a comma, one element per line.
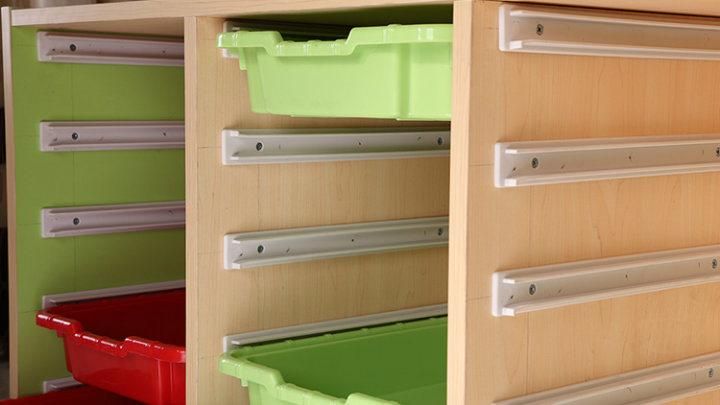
<point>402,363</point>
<point>132,346</point>
<point>399,71</point>
<point>73,396</point>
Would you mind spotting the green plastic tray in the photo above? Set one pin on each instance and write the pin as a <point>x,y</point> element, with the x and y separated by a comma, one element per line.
<point>399,71</point>
<point>397,364</point>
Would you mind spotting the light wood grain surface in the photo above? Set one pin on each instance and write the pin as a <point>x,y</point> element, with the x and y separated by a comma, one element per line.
<point>165,16</point>
<point>521,97</point>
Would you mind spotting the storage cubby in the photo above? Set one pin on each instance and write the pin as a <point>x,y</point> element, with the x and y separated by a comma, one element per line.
<point>59,248</point>
<point>279,196</point>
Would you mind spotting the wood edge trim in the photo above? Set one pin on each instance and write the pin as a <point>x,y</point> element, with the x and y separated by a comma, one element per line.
<point>11,203</point>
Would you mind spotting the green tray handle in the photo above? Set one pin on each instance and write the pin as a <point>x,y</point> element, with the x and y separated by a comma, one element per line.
<point>276,46</point>
<point>252,373</point>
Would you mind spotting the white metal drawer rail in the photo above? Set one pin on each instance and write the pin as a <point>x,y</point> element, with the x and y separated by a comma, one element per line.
<point>289,332</point>
<point>537,288</point>
<point>565,161</point>
<point>586,32</point>
<point>102,219</point>
<point>255,249</point>
<point>67,136</point>
<point>49,301</point>
<point>59,384</point>
<point>257,146</point>
<point>67,47</point>
<point>654,385</point>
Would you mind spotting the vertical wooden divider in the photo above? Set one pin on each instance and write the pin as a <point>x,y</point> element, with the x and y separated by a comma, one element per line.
<point>191,211</point>
<point>519,96</point>
<point>11,203</point>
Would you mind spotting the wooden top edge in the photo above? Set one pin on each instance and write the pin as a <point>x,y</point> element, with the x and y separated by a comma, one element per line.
<point>158,9</point>
<point>704,8</point>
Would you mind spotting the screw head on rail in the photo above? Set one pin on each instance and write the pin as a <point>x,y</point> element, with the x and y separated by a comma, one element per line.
<point>259,146</point>
<point>261,249</point>
<point>533,289</point>
<point>535,163</point>
<point>711,373</point>
<point>715,263</point>
<point>540,29</point>
<point>75,136</point>
<point>440,141</point>
<point>73,47</point>
<point>717,151</point>
<point>440,232</point>
<point>76,221</point>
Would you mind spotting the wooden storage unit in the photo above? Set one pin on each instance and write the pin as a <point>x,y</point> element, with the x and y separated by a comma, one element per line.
<point>497,97</point>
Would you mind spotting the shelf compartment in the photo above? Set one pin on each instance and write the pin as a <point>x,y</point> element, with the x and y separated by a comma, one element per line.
<point>544,287</point>
<point>654,385</point>
<point>565,161</point>
<point>104,219</point>
<point>256,249</point>
<point>66,47</point>
<point>569,31</point>
<point>404,362</point>
<point>73,396</point>
<point>132,346</point>
<point>259,146</point>
<point>62,136</point>
<point>398,71</point>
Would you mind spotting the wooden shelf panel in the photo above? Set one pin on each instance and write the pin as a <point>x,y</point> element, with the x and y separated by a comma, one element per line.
<point>520,97</point>
<point>168,14</point>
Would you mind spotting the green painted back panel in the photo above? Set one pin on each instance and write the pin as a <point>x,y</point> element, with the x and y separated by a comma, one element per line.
<point>54,91</point>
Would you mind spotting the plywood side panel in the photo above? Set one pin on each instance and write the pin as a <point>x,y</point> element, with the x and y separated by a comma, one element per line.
<point>538,97</point>
<point>250,198</point>
<point>11,202</point>
<point>192,324</point>
<point>459,189</point>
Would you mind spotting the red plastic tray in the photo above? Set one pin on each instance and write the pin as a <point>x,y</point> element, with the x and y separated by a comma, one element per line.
<point>132,346</point>
<point>73,396</point>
